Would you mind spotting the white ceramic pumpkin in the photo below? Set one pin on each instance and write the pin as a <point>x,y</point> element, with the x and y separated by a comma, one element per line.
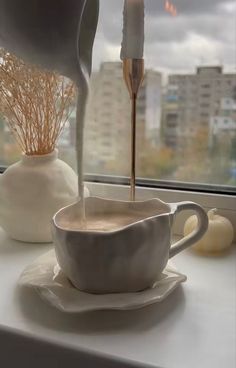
<point>218,237</point>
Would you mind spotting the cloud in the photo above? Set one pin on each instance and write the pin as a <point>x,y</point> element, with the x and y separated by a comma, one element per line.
<point>157,7</point>
<point>190,52</point>
<point>203,32</point>
<point>179,28</point>
<point>189,7</point>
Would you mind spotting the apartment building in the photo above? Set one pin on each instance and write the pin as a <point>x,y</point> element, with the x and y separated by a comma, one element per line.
<point>223,125</point>
<point>108,128</point>
<point>150,106</point>
<point>107,121</point>
<point>191,100</point>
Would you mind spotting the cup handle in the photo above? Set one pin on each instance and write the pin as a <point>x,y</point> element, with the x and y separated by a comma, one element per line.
<point>193,237</point>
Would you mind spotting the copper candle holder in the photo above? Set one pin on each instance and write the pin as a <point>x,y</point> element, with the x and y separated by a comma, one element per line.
<point>133,72</point>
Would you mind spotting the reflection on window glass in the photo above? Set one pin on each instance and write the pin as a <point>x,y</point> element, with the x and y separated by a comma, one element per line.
<point>186,113</point>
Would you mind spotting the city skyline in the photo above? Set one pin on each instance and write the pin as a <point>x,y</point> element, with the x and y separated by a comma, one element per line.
<point>184,130</point>
<point>194,101</point>
<point>200,105</point>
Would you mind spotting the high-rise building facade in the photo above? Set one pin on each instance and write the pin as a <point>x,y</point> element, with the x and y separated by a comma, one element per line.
<point>108,128</point>
<point>107,119</point>
<point>192,100</point>
<point>149,106</point>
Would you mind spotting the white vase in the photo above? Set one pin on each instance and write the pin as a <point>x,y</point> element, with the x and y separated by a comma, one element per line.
<point>31,192</point>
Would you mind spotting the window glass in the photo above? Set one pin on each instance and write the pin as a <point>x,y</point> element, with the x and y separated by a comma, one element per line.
<point>186,112</point>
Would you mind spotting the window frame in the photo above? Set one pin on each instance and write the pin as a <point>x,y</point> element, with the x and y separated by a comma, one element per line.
<point>164,184</point>
<point>118,188</point>
<point>158,184</point>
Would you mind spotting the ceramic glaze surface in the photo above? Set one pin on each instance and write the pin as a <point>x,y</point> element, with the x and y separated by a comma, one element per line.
<point>129,259</point>
<point>48,280</point>
<point>31,192</point>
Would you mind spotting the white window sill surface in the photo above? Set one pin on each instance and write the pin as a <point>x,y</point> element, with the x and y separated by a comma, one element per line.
<point>194,327</point>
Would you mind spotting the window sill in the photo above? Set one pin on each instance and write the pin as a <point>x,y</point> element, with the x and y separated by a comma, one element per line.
<point>181,332</point>
<point>224,202</point>
<point>164,184</point>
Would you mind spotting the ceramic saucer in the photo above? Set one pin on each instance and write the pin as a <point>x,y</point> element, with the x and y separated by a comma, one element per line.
<point>45,276</point>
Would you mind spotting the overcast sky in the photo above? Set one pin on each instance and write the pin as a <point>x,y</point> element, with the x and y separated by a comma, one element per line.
<point>203,33</point>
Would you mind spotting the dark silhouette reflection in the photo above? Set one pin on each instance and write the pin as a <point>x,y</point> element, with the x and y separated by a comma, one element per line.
<point>46,32</point>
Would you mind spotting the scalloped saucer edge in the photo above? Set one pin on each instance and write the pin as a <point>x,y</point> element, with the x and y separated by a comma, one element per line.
<point>45,276</point>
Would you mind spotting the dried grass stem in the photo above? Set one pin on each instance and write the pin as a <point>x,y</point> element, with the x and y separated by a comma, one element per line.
<point>35,103</point>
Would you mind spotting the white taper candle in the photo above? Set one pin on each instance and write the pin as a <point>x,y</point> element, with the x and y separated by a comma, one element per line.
<point>133,30</point>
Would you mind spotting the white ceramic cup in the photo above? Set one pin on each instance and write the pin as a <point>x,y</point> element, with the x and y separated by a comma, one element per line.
<point>127,259</point>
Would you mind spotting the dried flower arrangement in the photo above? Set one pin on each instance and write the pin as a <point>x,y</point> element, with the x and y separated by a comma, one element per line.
<point>35,103</point>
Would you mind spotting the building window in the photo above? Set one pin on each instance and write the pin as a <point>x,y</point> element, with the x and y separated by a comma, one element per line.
<point>205,95</point>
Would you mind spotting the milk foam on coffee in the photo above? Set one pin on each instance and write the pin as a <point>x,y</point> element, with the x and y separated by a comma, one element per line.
<point>103,222</point>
